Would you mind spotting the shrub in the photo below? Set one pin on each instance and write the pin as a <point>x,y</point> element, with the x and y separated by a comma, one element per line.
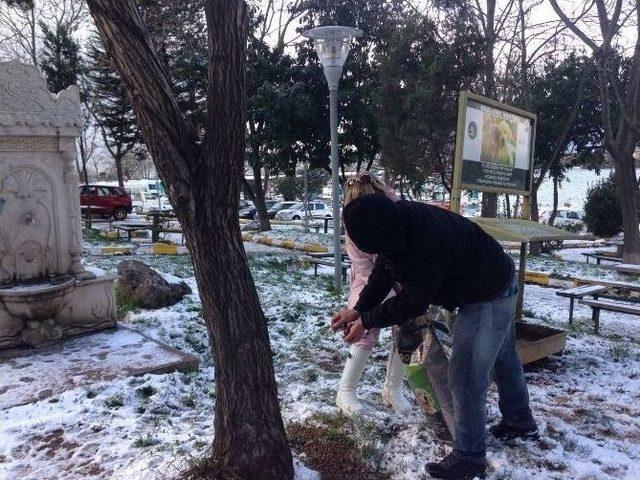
<point>602,209</point>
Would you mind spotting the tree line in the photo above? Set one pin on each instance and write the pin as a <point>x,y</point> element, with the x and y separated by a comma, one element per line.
<point>398,101</point>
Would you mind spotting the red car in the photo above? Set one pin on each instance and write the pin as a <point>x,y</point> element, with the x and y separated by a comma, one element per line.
<point>106,201</point>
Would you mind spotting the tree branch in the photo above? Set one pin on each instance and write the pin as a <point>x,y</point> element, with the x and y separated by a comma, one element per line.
<point>572,25</point>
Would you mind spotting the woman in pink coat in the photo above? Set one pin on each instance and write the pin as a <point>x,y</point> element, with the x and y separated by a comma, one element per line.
<point>361,266</point>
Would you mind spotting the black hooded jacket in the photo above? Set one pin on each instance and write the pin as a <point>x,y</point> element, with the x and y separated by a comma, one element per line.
<point>437,256</point>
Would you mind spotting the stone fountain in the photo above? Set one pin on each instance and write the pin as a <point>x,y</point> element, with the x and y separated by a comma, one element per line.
<point>45,292</point>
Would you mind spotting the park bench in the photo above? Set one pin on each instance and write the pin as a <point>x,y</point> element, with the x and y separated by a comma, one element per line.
<point>579,293</point>
<point>130,228</point>
<point>327,263</point>
<point>611,306</point>
<point>599,256</point>
<point>628,268</point>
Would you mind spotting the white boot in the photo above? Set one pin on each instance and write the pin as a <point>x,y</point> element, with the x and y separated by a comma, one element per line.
<point>392,390</point>
<point>346,399</point>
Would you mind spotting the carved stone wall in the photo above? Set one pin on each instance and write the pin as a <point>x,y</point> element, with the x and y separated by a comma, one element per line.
<point>45,294</point>
<point>39,205</point>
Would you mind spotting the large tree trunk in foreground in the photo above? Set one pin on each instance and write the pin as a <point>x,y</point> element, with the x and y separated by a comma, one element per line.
<point>203,186</point>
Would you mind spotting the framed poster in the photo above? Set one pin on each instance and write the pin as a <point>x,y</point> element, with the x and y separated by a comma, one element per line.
<point>494,146</point>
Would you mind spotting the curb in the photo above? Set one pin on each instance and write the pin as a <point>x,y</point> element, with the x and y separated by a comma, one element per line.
<point>152,249</point>
<point>286,244</point>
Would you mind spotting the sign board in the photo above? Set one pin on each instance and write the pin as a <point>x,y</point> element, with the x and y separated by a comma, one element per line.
<point>494,146</point>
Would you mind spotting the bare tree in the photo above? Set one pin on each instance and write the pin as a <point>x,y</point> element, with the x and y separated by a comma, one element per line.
<point>493,21</point>
<point>20,34</point>
<point>276,19</point>
<point>202,178</point>
<point>621,136</point>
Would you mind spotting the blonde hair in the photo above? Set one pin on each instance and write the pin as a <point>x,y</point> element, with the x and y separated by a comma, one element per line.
<point>357,187</point>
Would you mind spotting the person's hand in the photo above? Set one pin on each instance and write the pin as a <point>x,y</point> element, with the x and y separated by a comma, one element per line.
<point>344,317</point>
<point>355,332</point>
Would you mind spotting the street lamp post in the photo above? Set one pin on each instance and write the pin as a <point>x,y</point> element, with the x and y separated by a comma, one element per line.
<point>332,44</point>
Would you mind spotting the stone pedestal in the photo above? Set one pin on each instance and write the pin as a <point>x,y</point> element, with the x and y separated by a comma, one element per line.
<point>45,294</point>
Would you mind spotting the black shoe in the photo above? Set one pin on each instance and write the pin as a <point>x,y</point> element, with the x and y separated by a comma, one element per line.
<point>505,431</point>
<point>453,467</point>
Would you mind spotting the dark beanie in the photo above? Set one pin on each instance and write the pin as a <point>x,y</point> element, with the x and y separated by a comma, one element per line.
<point>374,224</point>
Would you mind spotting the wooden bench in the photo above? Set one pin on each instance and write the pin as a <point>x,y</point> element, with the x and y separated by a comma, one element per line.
<point>628,268</point>
<point>580,293</point>
<point>345,257</point>
<point>131,228</point>
<point>612,306</point>
<point>327,263</point>
<point>599,256</point>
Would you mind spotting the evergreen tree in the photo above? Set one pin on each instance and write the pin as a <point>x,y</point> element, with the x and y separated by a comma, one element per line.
<point>421,71</point>
<point>59,58</point>
<point>110,106</point>
<point>356,111</point>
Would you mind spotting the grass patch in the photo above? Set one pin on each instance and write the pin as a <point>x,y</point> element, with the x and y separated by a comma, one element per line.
<point>620,352</point>
<point>206,467</point>
<point>114,401</point>
<point>146,391</point>
<point>330,451</point>
<point>94,237</point>
<point>124,304</point>
<point>145,441</point>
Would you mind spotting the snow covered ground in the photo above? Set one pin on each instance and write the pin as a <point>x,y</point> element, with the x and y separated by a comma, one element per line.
<point>587,401</point>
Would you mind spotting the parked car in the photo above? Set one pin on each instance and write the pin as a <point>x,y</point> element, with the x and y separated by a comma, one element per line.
<point>250,211</point>
<point>277,207</point>
<point>150,202</point>
<point>568,214</point>
<point>569,219</point>
<point>247,212</point>
<point>320,210</point>
<point>107,201</point>
<point>296,211</point>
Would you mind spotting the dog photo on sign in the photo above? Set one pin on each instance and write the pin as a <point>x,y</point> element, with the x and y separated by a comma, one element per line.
<point>498,140</point>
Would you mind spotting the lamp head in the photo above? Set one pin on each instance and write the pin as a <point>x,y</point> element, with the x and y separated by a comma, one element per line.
<point>332,44</point>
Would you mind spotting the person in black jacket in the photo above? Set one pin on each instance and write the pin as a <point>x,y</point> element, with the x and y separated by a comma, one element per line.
<point>441,258</point>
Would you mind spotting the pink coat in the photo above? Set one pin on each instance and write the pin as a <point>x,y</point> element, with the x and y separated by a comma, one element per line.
<point>361,266</point>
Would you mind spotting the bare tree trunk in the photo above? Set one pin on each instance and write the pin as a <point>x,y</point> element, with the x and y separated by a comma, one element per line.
<point>265,183</point>
<point>119,175</point>
<point>534,247</point>
<point>203,186</point>
<point>489,200</point>
<point>621,141</point>
<point>83,157</point>
<point>554,211</point>
<point>627,192</point>
<point>259,202</point>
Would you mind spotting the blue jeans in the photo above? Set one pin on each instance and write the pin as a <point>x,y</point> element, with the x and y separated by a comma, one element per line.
<point>484,341</point>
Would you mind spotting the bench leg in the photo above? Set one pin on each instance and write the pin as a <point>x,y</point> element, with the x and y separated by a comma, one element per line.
<point>571,301</point>
<point>598,261</point>
<point>315,269</point>
<point>596,319</point>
